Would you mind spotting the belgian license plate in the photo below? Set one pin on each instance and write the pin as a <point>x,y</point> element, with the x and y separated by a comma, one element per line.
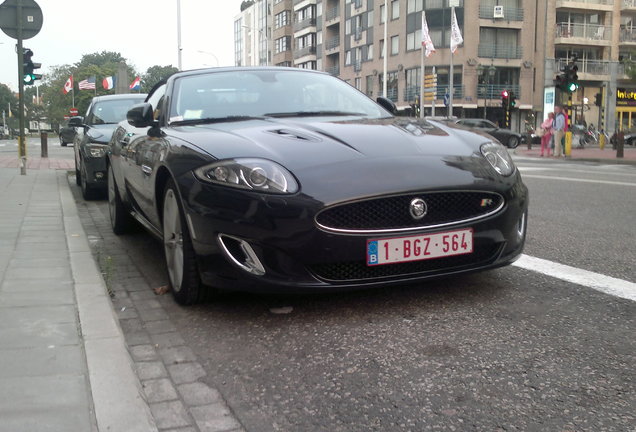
<point>419,247</point>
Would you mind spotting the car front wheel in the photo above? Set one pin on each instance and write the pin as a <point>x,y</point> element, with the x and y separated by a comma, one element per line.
<point>513,142</point>
<point>119,217</point>
<point>87,192</point>
<point>177,245</point>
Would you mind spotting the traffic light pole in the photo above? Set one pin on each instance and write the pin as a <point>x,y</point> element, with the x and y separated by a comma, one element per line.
<point>568,134</point>
<point>21,136</point>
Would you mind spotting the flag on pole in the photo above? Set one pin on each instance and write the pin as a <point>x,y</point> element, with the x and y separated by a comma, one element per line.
<point>87,84</point>
<point>456,34</point>
<point>427,43</point>
<point>109,82</point>
<point>68,85</point>
<point>136,84</point>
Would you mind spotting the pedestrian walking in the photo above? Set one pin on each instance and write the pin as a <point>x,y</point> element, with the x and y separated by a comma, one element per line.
<point>558,128</point>
<point>547,134</point>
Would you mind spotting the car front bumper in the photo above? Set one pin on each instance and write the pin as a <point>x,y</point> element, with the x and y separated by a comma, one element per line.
<point>296,255</point>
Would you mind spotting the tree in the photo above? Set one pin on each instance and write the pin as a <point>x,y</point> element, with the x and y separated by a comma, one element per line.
<point>57,104</point>
<point>154,74</point>
<point>8,99</point>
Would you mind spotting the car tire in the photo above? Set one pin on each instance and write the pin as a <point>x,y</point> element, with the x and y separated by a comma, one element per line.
<point>179,253</point>
<point>513,142</point>
<point>87,192</point>
<point>120,219</point>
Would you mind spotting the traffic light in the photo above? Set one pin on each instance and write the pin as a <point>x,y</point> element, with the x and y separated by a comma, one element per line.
<point>573,77</point>
<point>28,77</point>
<point>568,80</point>
<point>504,98</point>
<point>513,100</point>
<point>598,99</point>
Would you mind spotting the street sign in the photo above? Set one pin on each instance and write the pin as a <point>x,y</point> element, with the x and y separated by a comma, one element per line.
<point>31,18</point>
<point>73,111</point>
<point>446,99</point>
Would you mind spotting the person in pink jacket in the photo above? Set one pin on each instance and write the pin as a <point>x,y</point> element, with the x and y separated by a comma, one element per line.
<point>547,134</point>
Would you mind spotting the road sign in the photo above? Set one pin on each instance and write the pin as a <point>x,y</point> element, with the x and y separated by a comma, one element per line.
<point>31,18</point>
<point>446,99</point>
<point>73,111</point>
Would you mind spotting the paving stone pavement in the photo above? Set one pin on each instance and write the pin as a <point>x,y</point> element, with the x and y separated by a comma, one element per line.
<point>169,370</point>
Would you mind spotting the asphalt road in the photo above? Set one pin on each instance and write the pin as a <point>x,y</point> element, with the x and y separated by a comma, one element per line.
<point>510,349</point>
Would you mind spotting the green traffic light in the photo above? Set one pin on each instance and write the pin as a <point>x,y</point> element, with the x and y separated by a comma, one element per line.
<point>572,87</point>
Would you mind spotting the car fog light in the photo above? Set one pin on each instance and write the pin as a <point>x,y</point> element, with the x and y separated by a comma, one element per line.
<point>242,254</point>
<point>521,226</point>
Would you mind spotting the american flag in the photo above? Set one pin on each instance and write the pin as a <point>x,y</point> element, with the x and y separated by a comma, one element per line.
<point>87,84</point>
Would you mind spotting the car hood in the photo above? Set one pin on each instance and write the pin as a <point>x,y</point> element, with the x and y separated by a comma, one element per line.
<point>100,133</point>
<point>400,154</point>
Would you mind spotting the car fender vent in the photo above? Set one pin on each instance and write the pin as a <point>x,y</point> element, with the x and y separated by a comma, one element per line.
<point>288,133</point>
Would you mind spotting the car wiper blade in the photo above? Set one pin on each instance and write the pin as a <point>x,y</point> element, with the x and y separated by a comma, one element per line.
<point>209,120</point>
<point>314,114</point>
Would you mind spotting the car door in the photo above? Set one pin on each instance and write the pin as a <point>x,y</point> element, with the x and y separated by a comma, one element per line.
<point>143,154</point>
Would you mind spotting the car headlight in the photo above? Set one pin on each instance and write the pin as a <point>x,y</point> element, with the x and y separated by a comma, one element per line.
<point>497,155</point>
<point>254,174</point>
<point>96,150</point>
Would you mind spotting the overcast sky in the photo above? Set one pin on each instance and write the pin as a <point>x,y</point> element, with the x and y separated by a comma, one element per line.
<point>143,31</point>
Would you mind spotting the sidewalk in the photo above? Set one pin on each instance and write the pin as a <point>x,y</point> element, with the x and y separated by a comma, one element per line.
<point>64,365</point>
<point>591,154</point>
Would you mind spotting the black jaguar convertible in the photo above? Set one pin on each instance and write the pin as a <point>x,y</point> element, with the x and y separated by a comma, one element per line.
<point>282,179</point>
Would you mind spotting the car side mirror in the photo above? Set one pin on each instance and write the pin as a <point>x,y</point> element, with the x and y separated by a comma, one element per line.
<point>387,104</point>
<point>140,115</point>
<point>76,121</point>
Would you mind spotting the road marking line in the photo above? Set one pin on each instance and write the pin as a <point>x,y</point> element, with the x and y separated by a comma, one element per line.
<point>606,284</point>
<point>578,180</point>
<point>611,170</point>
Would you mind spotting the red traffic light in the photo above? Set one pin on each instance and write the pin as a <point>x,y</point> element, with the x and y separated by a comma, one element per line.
<point>505,94</point>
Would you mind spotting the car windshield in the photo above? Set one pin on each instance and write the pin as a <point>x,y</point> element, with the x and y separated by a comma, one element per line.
<point>271,93</point>
<point>111,111</point>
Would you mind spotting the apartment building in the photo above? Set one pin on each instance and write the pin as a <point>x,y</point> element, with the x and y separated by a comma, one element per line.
<point>514,45</point>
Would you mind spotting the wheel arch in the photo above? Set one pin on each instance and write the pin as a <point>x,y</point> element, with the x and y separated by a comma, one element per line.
<point>161,180</point>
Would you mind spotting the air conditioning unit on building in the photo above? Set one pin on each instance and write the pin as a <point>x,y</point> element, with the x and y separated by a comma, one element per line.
<point>498,12</point>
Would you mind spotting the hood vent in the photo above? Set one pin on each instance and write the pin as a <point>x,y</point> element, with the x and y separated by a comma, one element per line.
<point>288,133</point>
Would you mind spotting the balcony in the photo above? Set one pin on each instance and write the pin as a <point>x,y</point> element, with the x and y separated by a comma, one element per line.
<point>332,14</point>
<point>600,5</point>
<point>334,70</point>
<point>510,13</point>
<point>627,36</point>
<point>332,43</point>
<point>411,92</point>
<point>357,65</point>
<point>302,52</point>
<point>582,34</point>
<point>628,5</point>
<point>588,69</point>
<point>500,51</point>
<point>310,22</point>
<point>493,91</point>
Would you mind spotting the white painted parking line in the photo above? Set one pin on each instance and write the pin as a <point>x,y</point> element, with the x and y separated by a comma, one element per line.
<point>545,177</point>
<point>606,284</point>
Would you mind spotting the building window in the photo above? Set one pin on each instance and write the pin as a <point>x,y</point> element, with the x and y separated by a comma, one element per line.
<point>414,6</point>
<point>395,9</point>
<point>413,83</point>
<point>395,45</point>
<point>283,44</point>
<point>358,83</point>
<point>347,58</point>
<point>284,64</point>
<point>391,85</point>
<point>414,40</point>
<point>382,14</point>
<point>370,52</point>
<point>382,48</point>
<point>369,88</point>
<point>307,65</point>
<point>282,19</point>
